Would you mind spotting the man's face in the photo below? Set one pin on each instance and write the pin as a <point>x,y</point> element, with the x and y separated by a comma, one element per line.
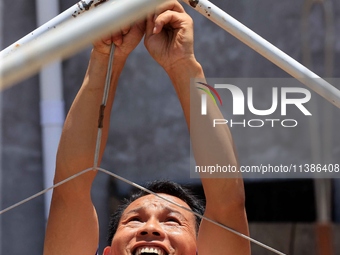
<point>150,225</point>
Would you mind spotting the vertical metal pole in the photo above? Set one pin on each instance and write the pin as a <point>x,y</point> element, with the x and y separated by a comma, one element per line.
<point>51,104</point>
<point>321,146</point>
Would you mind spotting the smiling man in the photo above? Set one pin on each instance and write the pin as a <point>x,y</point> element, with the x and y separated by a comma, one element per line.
<point>147,224</point>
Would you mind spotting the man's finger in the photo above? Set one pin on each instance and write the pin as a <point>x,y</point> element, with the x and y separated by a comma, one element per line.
<point>172,5</point>
<point>126,29</point>
<point>174,19</point>
<point>117,39</point>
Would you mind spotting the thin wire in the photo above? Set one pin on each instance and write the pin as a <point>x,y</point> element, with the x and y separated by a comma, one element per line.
<point>148,191</point>
<point>98,142</point>
<point>45,190</point>
<point>108,75</point>
<point>96,156</point>
<point>102,107</point>
<point>95,167</point>
<point>189,210</point>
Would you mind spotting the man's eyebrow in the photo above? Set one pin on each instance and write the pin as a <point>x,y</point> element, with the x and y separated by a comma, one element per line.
<point>126,215</point>
<point>171,210</point>
<point>136,210</point>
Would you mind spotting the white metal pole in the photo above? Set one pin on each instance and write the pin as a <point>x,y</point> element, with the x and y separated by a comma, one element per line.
<point>75,35</point>
<point>266,49</point>
<point>51,104</point>
<point>69,14</point>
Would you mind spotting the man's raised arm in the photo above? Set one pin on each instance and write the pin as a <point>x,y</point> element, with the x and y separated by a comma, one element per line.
<point>211,146</point>
<point>73,225</point>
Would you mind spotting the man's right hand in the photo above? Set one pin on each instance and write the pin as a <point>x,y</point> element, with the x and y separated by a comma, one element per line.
<point>169,35</point>
<point>125,40</point>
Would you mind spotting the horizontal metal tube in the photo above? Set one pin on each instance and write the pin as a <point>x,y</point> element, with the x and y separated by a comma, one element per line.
<point>74,36</point>
<point>266,49</point>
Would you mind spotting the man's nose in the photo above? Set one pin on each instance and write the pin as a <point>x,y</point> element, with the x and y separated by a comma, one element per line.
<point>152,228</point>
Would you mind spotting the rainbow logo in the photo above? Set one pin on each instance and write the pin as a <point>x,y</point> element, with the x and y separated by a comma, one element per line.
<point>209,90</point>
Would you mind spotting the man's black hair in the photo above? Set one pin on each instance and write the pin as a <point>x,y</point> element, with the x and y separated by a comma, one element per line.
<point>166,187</point>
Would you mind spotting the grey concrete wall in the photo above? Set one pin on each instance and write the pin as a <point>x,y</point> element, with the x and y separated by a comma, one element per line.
<point>148,136</point>
<point>23,228</point>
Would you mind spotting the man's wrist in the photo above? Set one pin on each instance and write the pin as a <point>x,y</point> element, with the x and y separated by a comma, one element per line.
<point>185,69</point>
<point>100,62</point>
<point>98,55</point>
<point>97,70</point>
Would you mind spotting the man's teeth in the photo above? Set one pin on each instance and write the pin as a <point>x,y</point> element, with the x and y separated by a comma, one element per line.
<point>152,250</point>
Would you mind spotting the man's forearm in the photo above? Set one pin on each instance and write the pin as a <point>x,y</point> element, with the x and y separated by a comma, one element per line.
<point>78,141</point>
<point>211,145</point>
<point>180,74</point>
<point>73,225</point>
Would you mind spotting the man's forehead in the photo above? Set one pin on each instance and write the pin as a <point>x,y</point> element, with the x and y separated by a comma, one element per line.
<point>155,201</point>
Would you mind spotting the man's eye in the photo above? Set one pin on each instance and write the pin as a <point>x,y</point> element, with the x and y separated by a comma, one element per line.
<point>172,219</point>
<point>134,219</point>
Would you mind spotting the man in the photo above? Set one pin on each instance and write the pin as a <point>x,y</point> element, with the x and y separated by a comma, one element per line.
<point>148,225</point>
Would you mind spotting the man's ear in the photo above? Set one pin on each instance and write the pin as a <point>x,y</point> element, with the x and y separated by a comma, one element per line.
<point>107,250</point>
